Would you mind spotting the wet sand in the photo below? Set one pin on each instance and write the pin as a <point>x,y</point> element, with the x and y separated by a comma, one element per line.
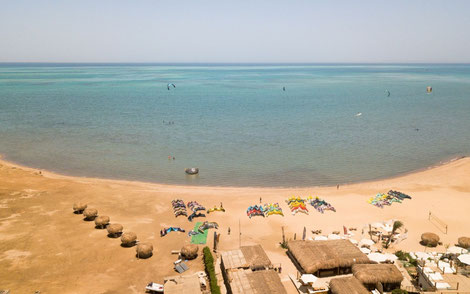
<point>44,246</point>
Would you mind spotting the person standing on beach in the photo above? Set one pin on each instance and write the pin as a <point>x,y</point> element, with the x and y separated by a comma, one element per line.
<point>337,187</point>
<point>228,230</point>
<point>260,200</point>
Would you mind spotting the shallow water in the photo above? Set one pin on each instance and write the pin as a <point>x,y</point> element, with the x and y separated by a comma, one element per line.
<point>234,122</point>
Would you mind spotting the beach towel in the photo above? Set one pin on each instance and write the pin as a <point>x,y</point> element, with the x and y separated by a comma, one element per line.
<point>200,238</point>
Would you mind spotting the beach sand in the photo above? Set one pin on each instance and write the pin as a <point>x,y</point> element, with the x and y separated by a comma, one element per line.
<point>44,246</point>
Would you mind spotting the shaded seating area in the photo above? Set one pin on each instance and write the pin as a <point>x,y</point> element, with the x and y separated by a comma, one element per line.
<point>325,258</point>
<point>347,285</point>
<point>371,274</point>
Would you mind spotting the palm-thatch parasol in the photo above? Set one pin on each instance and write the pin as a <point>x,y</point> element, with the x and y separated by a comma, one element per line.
<point>79,207</point>
<point>90,213</point>
<point>464,242</point>
<point>144,250</point>
<point>429,239</point>
<point>114,230</point>
<point>189,251</point>
<point>102,221</point>
<point>128,239</point>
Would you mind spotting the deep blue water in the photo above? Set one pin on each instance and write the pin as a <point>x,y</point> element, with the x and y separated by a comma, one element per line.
<point>234,122</point>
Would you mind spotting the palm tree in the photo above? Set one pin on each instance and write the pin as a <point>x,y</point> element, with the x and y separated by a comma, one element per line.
<point>396,225</point>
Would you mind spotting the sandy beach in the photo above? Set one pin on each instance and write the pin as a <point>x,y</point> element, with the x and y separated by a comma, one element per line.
<point>45,247</point>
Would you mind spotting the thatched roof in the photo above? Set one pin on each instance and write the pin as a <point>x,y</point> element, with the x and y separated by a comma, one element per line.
<point>114,229</point>
<point>189,251</point>
<point>348,285</point>
<point>323,255</point>
<point>144,250</point>
<point>102,221</point>
<point>90,213</point>
<point>429,239</point>
<point>464,242</point>
<point>257,282</point>
<point>375,273</point>
<point>246,257</point>
<point>128,238</point>
<point>79,207</point>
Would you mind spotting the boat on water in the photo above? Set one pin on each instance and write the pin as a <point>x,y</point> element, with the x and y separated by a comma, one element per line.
<point>192,171</point>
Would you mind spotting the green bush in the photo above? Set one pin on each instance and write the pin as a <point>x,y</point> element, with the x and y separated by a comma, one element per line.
<point>401,255</point>
<point>210,270</point>
<point>405,256</point>
<point>399,291</point>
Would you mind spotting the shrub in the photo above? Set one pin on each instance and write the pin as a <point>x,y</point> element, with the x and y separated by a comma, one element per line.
<point>405,256</point>
<point>401,255</point>
<point>210,270</point>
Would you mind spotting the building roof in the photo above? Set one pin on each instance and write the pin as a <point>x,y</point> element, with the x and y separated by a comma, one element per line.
<point>256,282</point>
<point>374,273</point>
<point>182,285</point>
<point>323,255</point>
<point>252,257</point>
<point>348,285</point>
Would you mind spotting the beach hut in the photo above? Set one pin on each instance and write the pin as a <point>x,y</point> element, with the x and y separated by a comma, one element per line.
<point>259,282</point>
<point>79,207</point>
<point>128,239</point>
<point>371,274</point>
<point>189,251</point>
<point>90,214</point>
<point>429,239</point>
<point>114,230</point>
<point>144,250</point>
<point>102,221</point>
<point>325,258</point>
<point>347,285</point>
<point>464,242</point>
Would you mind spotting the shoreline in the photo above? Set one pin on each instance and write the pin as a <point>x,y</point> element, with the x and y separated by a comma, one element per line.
<point>54,174</point>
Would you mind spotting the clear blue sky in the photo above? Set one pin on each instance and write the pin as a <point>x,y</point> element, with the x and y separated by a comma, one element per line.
<point>234,31</point>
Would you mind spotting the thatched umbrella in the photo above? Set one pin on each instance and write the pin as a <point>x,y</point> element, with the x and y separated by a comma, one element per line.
<point>90,213</point>
<point>189,251</point>
<point>114,230</point>
<point>464,242</point>
<point>144,250</point>
<point>429,239</point>
<point>102,221</point>
<point>79,207</point>
<point>128,239</point>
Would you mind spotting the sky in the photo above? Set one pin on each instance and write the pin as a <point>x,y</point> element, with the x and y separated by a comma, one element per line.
<point>242,31</point>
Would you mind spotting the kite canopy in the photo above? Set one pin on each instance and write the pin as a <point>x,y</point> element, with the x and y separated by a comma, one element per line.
<point>170,85</point>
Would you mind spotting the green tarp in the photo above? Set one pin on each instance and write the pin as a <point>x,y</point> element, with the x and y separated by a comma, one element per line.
<point>199,238</point>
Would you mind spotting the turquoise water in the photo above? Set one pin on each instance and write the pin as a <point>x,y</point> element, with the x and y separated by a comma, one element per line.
<point>234,122</point>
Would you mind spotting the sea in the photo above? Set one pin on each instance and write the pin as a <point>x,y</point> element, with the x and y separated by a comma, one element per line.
<point>263,125</point>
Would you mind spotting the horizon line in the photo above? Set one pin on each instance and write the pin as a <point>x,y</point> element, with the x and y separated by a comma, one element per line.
<point>226,63</point>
